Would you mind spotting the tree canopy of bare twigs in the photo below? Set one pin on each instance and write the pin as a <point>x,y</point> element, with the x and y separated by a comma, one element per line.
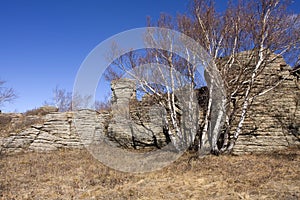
<point>61,99</point>
<point>64,101</point>
<point>7,95</point>
<point>243,41</point>
<point>257,32</point>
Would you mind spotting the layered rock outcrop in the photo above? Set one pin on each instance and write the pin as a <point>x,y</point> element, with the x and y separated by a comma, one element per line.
<point>272,123</point>
<point>53,131</point>
<point>273,120</point>
<point>134,123</point>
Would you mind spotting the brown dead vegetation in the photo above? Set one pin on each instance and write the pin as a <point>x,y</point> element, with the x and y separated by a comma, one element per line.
<point>75,174</point>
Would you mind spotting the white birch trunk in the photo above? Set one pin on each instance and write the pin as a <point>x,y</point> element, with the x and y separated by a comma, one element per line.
<point>204,145</point>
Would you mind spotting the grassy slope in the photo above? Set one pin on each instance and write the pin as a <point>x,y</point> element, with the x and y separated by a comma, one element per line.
<point>75,174</point>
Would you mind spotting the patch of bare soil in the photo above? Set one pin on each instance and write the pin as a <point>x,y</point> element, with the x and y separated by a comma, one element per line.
<point>75,174</point>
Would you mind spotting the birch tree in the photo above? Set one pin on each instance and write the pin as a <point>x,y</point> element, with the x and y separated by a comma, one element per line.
<point>244,40</point>
<point>175,79</point>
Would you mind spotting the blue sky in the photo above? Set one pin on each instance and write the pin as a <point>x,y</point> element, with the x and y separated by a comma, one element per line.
<point>44,42</point>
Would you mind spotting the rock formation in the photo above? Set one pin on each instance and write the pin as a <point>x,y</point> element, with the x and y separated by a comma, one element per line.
<point>133,123</point>
<point>272,123</point>
<point>53,131</point>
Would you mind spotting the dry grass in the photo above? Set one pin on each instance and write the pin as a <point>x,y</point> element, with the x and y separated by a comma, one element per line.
<point>22,121</point>
<point>4,124</point>
<point>75,174</point>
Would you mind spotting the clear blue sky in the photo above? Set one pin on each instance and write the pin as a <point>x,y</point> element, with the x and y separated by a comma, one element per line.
<point>43,42</point>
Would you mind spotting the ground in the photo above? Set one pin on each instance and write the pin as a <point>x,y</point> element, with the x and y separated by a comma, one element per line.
<point>75,174</point>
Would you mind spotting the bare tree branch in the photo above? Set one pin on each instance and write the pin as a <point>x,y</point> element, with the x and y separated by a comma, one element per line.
<point>7,95</point>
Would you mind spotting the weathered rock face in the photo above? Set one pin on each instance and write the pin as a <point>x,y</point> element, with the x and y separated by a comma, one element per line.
<point>56,131</point>
<point>48,109</point>
<point>133,123</point>
<point>272,123</point>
